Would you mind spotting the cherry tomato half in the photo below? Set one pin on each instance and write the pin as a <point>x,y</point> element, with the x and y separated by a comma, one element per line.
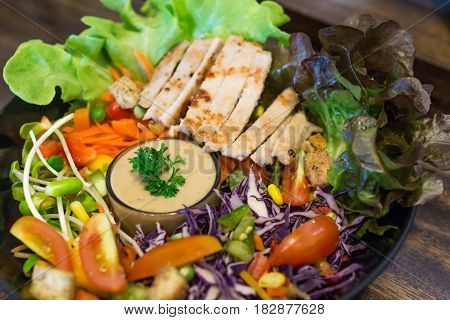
<point>81,154</point>
<point>311,242</point>
<point>294,185</point>
<point>99,255</point>
<point>176,253</point>
<point>115,112</point>
<point>44,240</point>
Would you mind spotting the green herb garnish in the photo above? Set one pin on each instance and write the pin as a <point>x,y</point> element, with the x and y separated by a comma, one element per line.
<point>150,164</point>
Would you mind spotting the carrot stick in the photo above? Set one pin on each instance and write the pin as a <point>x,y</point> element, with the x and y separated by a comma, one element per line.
<point>81,119</point>
<point>145,64</point>
<point>125,72</point>
<point>107,97</point>
<point>115,74</point>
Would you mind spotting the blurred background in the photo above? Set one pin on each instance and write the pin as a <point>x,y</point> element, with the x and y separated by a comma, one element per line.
<point>421,270</point>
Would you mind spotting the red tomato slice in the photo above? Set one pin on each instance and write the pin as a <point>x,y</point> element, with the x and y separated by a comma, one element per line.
<point>312,241</point>
<point>99,255</point>
<point>81,154</point>
<point>176,253</point>
<point>127,256</point>
<point>81,294</point>
<point>44,240</point>
<point>259,265</point>
<point>50,148</point>
<point>115,112</point>
<point>294,185</point>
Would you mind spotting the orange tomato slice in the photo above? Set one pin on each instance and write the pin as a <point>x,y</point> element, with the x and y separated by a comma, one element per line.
<point>176,253</point>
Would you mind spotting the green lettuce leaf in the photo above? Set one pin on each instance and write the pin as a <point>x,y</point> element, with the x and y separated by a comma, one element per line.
<point>37,68</point>
<point>81,68</point>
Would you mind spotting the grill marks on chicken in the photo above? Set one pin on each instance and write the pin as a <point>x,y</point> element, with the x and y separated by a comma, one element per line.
<point>264,126</point>
<point>216,86</point>
<point>162,74</point>
<point>188,65</point>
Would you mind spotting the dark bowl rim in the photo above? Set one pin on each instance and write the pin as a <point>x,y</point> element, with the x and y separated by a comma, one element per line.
<point>353,293</point>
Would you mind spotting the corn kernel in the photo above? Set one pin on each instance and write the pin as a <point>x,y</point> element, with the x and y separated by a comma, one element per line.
<point>100,162</point>
<point>156,128</point>
<point>332,215</point>
<point>258,112</point>
<point>275,194</point>
<point>79,211</point>
<point>323,266</point>
<point>272,280</point>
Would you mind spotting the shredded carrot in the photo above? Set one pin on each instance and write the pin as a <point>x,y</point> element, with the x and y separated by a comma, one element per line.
<point>115,74</point>
<point>107,97</point>
<point>144,132</point>
<point>259,245</point>
<point>125,72</point>
<point>126,127</point>
<point>100,208</point>
<point>145,64</point>
<point>81,119</point>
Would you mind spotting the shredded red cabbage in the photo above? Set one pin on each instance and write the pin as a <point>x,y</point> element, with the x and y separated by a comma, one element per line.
<point>217,276</point>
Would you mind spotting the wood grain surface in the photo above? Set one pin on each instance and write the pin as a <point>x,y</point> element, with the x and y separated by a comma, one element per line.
<point>421,270</point>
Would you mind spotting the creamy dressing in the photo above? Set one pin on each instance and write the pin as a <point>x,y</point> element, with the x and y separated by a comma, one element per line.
<point>199,171</point>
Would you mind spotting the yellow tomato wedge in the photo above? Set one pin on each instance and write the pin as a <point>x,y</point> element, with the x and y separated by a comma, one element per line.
<point>176,253</point>
<point>44,240</point>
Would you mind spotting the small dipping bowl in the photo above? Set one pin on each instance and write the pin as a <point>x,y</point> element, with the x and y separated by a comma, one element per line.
<point>132,205</point>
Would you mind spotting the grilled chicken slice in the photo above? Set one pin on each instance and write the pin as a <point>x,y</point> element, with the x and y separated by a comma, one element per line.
<point>263,156</point>
<point>230,90</point>
<point>233,127</point>
<point>296,132</point>
<point>184,72</point>
<point>162,74</point>
<point>254,136</point>
<point>173,113</point>
<point>126,92</point>
<point>317,164</point>
<point>199,107</point>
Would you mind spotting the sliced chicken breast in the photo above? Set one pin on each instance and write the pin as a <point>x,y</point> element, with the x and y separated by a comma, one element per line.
<point>199,107</point>
<point>254,136</point>
<point>162,74</point>
<point>175,111</point>
<point>126,92</point>
<point>233,127</point>
<point>184,72</point>
<point>230,91</point>
<point>263,156</point>
<point>296,132</point>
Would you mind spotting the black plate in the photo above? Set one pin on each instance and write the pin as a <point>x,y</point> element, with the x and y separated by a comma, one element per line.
<point>18,112</point>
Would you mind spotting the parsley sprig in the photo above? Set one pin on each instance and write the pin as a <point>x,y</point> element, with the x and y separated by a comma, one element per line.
<point>150,164</point>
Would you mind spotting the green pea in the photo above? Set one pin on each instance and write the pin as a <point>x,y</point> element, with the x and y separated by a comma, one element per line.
<point>59,188</point>
<point>89,203</point>
<point>24,209</point>
<point>188,272</point>
<point>97,114</point>
<point>139,112</point>
<point>56,162</point>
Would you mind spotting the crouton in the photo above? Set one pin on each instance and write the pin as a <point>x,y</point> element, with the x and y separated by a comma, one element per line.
<point>126,92</point>
<point>168,284</point>
<point>48,283</point>
<point>317,164</point>
<point>318,141</point>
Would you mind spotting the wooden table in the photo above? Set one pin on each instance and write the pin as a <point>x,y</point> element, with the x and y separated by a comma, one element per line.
<point>421,270</point>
